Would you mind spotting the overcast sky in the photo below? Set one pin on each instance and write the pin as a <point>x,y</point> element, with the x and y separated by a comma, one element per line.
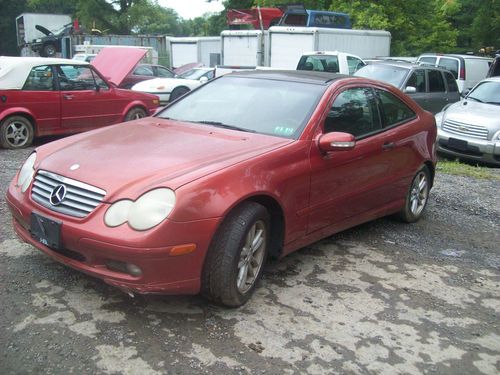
<point>192,8</point>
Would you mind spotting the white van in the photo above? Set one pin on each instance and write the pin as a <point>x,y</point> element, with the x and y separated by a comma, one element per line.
<point>467,69</point>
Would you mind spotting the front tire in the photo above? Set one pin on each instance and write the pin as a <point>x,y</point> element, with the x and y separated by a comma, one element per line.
<point>16,132</point>
<point>417,197</point>
<point>49,50</point>
<point>236,257</point>
<point>135,114</point>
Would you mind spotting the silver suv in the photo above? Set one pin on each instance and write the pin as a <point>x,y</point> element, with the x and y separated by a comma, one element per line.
<point>431,87</point>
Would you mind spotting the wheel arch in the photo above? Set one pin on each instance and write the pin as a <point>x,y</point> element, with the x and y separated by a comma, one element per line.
<point>17,111</point>
<point>132,105</point>
<point>432,170</point>
<point>276,220</point>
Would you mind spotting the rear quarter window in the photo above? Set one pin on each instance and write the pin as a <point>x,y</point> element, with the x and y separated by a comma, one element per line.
<point>450,80</point>
<point>394,110</point>
<point>450,64</point>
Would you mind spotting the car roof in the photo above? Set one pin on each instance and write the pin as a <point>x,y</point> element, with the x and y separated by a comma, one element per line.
<point>303,76</point>
<point>15,70</point>
<point>457,55</point>
<point>408,65</point>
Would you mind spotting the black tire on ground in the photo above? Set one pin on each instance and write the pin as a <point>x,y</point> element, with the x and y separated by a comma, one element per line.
<point>49,50</point>
<point>236,257</point>
<point>417,196</point>
<point>135,114</point>
<point>178,92</point>
<point>16,132</point>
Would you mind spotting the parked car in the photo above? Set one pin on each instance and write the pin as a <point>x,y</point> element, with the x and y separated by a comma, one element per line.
<point>331,62</point>
<point>471,129</point>
<point>432,88</point>
<point>494,70</point>
<point>467,69</point>
<point>144,72</point>
<point>249,165</point>
<point>87,57</point>
<point>50,44</point>
<point>45,96</point>
<point>169,89</point>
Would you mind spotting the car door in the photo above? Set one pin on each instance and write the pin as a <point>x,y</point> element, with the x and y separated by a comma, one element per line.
<point>417,79</point>
<point>40,95</point>
<point>87,101</point>
<point>345,185</point>
<point>437,95</point>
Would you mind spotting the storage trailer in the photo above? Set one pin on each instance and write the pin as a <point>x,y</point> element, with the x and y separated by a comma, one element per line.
<point>205,50</point>
<point>244,48</point>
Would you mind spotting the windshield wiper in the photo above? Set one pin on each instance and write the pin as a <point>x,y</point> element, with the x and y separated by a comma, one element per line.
<point>476,99</point>
<point>225,126</point>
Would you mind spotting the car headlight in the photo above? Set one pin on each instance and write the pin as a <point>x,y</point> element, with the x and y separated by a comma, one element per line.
<point>439,118</point>
<point>27,173</point>
<point>145,213</point>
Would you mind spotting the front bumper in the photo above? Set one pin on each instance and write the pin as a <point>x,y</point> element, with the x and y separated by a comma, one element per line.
<point>467,147</point>
<point>89,246</point>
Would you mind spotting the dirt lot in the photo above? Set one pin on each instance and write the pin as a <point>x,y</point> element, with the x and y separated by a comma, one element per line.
<point>381,298</point>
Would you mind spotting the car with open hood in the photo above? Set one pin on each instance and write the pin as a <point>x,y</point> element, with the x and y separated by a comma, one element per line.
<point>250,165</point>
<point>45,96</point>
<point>169,89</point>
<point>470,129</point>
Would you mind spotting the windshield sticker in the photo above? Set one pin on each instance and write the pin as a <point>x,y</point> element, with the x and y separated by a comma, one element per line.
<point>283,130</point>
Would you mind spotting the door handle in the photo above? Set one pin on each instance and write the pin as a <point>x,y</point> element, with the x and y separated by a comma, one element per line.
<point>388,145</point>
<point>68,96</point>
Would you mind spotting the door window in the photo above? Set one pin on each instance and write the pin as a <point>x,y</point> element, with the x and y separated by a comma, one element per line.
<point>354,64</point>
<point>354,111</point>
<point>99,81</point>
<point>436,82</point>
<point>75,78</point>
<point>165,73</point>
<point>417,80</point>
<point>40,79</point>
<point>450,80</point>
<point>449,64</point>
<point>394,110</point>
<point>143,71</point>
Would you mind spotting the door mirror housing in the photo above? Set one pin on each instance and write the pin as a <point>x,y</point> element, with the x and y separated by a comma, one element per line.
<point>410,90</point>
<point>203,79</point>
<point>336,141</point>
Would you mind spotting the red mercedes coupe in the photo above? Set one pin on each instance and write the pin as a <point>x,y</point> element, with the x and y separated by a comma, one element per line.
<point>251,165</point>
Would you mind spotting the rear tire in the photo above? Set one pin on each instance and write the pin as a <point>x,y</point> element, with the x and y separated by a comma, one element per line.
<point>417,197</point>
<point>16,132</point>
<point>236,257</point>
<point>178,92</point>
<point>135,114</point>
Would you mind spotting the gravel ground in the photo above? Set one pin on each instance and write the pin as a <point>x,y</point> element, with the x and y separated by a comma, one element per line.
<point>381,298</point>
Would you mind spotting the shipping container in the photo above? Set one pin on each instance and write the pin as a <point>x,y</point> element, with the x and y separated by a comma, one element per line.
<point>26,22</point>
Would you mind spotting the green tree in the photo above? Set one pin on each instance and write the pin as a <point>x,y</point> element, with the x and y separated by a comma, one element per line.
<point>10,10</point>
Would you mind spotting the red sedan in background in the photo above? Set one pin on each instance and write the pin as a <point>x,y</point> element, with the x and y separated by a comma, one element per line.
<point>249,165</point>
<point>43,96</point>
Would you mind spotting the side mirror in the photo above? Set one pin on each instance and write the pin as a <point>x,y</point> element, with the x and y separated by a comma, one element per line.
<point>203,79</point>
<point>464,93</point>
<point>336,141</point>
<point>410,90</point>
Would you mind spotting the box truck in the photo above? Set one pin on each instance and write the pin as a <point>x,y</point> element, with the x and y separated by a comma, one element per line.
<point>244,47</point>
<point>205,50</point>
<point>287,44</point>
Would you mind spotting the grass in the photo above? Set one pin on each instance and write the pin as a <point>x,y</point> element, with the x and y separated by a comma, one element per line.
<point>455,167</point>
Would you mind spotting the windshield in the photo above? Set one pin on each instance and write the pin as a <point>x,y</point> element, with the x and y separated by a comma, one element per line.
<point>193,74</point>
<point>279,108</point>
<point>486,92</point>
<point>385,73</point>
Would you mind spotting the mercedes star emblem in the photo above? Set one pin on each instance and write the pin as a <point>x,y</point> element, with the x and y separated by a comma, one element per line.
<point>57,195</point>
